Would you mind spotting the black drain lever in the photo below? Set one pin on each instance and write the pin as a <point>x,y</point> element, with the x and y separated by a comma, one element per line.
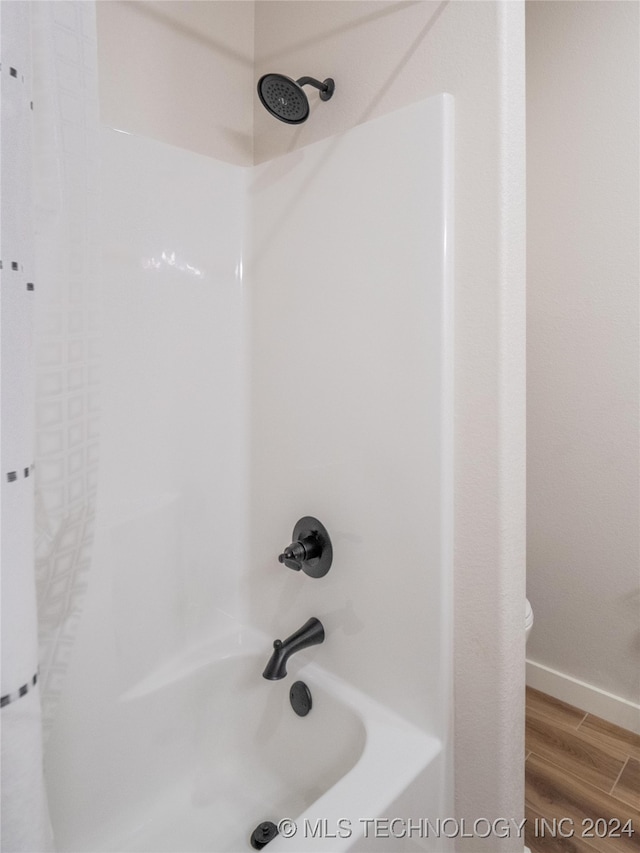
<point>263,834</point>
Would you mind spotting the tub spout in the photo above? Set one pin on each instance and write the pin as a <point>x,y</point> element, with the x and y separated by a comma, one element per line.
<point>310,634</point>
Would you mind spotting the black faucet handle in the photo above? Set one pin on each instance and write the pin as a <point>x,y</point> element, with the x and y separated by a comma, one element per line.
<point>300,552</point>
<point>293,556</point>
<point>310,550</point>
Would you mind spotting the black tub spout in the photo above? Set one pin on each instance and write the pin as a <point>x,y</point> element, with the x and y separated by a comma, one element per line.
<point>311,634</point>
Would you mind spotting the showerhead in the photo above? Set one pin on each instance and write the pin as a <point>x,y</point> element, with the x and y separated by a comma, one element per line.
<point>285,99</point>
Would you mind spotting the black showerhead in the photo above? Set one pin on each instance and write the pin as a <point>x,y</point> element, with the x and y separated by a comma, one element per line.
<point>285,98</point>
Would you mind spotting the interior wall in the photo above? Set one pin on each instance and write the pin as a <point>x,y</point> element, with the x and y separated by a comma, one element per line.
<point>583,336</point>
<point>180,72</point>
<point>384,55</point>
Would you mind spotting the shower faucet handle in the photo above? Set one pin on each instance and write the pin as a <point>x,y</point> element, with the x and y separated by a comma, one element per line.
<point>296,554</point>
<point>310,551</point>
<point>292,556</point>
<point>289,561</point>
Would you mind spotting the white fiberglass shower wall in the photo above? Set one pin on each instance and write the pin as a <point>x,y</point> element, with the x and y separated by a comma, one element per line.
<point>172,486</point>
<point>277,344</point>
<point>351,397</point>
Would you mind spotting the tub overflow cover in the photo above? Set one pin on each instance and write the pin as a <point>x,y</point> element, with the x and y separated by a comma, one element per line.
<point>300,698</point>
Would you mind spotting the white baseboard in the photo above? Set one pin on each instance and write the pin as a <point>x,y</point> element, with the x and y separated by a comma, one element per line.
<point>585,696</point>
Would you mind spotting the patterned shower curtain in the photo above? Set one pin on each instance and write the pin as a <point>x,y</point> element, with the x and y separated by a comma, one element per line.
<point>48,309</point>
<point>25,820</point>
<point>66,151</point>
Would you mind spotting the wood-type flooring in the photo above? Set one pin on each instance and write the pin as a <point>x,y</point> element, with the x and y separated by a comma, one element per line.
<point>582,781</point>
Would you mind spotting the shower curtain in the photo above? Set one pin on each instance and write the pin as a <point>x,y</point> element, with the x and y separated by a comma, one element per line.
<point>48,248</point>
<point>66,169</point>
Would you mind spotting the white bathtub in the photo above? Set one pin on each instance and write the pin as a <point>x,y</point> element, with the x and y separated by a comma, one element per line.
<point>198,754</point>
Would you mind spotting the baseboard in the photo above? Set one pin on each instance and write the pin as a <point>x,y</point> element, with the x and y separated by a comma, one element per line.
<point>585,696</point>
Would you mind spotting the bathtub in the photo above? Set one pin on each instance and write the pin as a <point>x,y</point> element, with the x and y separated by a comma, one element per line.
<point>214,750</point>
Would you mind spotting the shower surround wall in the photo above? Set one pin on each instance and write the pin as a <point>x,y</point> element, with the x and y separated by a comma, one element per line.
<point>383,56</point>
<point>350,343</point>
<point>351,376</point>
<point>171,506</point>
<point>387,55</point>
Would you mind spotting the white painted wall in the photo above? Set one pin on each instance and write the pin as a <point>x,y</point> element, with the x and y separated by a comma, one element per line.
<point>583,569</point>
<point>179,72</point>
<point>384,56</point>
